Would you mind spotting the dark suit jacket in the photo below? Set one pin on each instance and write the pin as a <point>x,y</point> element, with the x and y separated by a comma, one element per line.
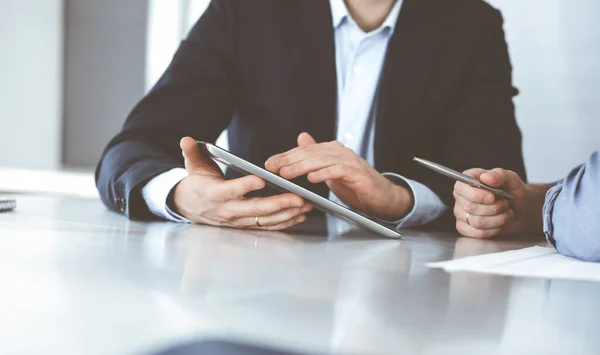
<point>266,70</point>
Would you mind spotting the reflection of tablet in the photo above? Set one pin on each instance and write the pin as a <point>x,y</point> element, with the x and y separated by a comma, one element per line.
<point>282,184</point>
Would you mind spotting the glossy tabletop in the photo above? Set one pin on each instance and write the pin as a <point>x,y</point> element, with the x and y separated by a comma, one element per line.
<point>77,279</point>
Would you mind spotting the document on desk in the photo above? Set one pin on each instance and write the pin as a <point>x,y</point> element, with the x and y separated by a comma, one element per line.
<point>536,262</point>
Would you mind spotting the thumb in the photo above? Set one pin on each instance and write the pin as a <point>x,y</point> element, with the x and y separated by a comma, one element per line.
<point>195,161</point>
<point>305,139</point>
<point>502,178</point>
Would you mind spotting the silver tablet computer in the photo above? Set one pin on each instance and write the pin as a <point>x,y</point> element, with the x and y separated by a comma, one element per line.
<point>279,183</point>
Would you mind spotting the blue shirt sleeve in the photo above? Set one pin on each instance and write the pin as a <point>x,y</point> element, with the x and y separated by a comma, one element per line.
<point>572,212</point>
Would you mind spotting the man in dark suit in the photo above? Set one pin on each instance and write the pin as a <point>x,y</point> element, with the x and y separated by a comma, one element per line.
<point>372,83</point>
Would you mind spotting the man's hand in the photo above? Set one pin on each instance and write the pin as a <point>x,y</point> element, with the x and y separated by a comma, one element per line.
<point>480,214</point>
<point>348,176</point>
<point>206,197</point>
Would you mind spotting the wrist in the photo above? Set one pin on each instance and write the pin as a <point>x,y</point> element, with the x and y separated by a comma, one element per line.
<point>400,204</point>
<point>535,196</point>
<point>176,196</point>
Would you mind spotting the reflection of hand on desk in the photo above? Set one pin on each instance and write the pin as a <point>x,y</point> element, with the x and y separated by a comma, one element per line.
<point>469,287</point>
<point>230,262</point>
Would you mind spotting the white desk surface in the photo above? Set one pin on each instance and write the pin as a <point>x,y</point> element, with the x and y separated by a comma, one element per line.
<point>77,279</point>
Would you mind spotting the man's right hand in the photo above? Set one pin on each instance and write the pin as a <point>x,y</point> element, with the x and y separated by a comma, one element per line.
<point>206,197</point>
<point>480,214</point>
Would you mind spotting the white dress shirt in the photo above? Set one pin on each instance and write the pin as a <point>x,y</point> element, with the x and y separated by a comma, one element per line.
<point>360,59</point>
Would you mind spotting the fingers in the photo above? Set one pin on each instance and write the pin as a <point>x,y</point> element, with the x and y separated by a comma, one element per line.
<point>309,165</point>
<point>305,139</point>
<point>484,222</point>
<point>502,178</point>
<point>335,172</point>
<point>236,188</point>
<point>473,194</point>
<point>476,209</point>
<point>274,213</point>
<point>260,206</point>
<point>285,225</point>
<point>195,161</point>
<point>296,155</point>
<point>281,218</point>
<point>466,230</point>
<point>495,178</point>
<point>475,173</point>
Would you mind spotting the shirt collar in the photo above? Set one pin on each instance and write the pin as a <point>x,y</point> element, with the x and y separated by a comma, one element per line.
<point>339,12</point>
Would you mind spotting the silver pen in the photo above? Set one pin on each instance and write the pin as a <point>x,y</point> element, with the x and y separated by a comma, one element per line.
<point>455,175</point>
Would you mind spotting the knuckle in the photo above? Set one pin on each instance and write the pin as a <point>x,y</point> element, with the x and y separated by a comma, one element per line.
<point>260,208</point>
<point>498,208</point>
<point>283,204</point>
<point>256,211</point>
<point>469,207</point>
<point>324,159</point>
<point>477,222</point>
<point>479,198</point>
<point>230,193</point>
<point>226,215</point>
<point>457,186</point>
<point>459,228</point>
<point>457,210</point>
<point>248,185</point>
<point>337,144</point>
<point>471,172</point>
<point>495,209</point>
<point>479,234</point>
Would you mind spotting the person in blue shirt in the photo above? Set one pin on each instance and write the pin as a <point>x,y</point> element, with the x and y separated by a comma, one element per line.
<point>568,212</point>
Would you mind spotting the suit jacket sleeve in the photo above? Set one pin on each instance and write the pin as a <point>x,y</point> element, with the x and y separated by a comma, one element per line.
<point>482,131</point>
<point>195,97</point>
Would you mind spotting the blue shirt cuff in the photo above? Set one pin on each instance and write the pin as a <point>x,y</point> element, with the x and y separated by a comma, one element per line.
<point>548,211</point>
<point>427,205</point>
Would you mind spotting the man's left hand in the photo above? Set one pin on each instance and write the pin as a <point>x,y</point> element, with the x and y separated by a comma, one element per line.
<point>349,177</point>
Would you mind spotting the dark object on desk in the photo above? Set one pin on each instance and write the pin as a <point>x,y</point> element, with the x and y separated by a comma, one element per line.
<point>222,348</point>
<point>7,205</point>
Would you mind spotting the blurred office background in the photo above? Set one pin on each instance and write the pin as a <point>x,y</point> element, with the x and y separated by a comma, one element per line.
<point>72,69</point>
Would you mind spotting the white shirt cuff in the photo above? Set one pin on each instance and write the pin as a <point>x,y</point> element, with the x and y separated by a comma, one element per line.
<point>427,208</point>
<point>157,190</point>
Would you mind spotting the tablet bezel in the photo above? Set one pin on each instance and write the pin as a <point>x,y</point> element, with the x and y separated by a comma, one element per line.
<point>223,156</point>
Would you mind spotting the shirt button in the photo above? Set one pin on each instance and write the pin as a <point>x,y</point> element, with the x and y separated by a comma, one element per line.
<point>358,69</point>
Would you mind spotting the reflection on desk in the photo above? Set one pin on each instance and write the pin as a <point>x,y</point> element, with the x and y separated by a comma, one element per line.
<point>78,279</point>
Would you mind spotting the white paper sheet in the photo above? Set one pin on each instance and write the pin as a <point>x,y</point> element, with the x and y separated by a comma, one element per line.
<point>531,262</point>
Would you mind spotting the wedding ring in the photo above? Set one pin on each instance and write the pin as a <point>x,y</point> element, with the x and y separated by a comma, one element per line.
<point>256,219</point>
<point>466,219</point>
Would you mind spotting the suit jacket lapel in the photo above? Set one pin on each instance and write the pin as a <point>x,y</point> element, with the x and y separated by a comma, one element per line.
<point>410,62</point>
<point>312,55</point>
